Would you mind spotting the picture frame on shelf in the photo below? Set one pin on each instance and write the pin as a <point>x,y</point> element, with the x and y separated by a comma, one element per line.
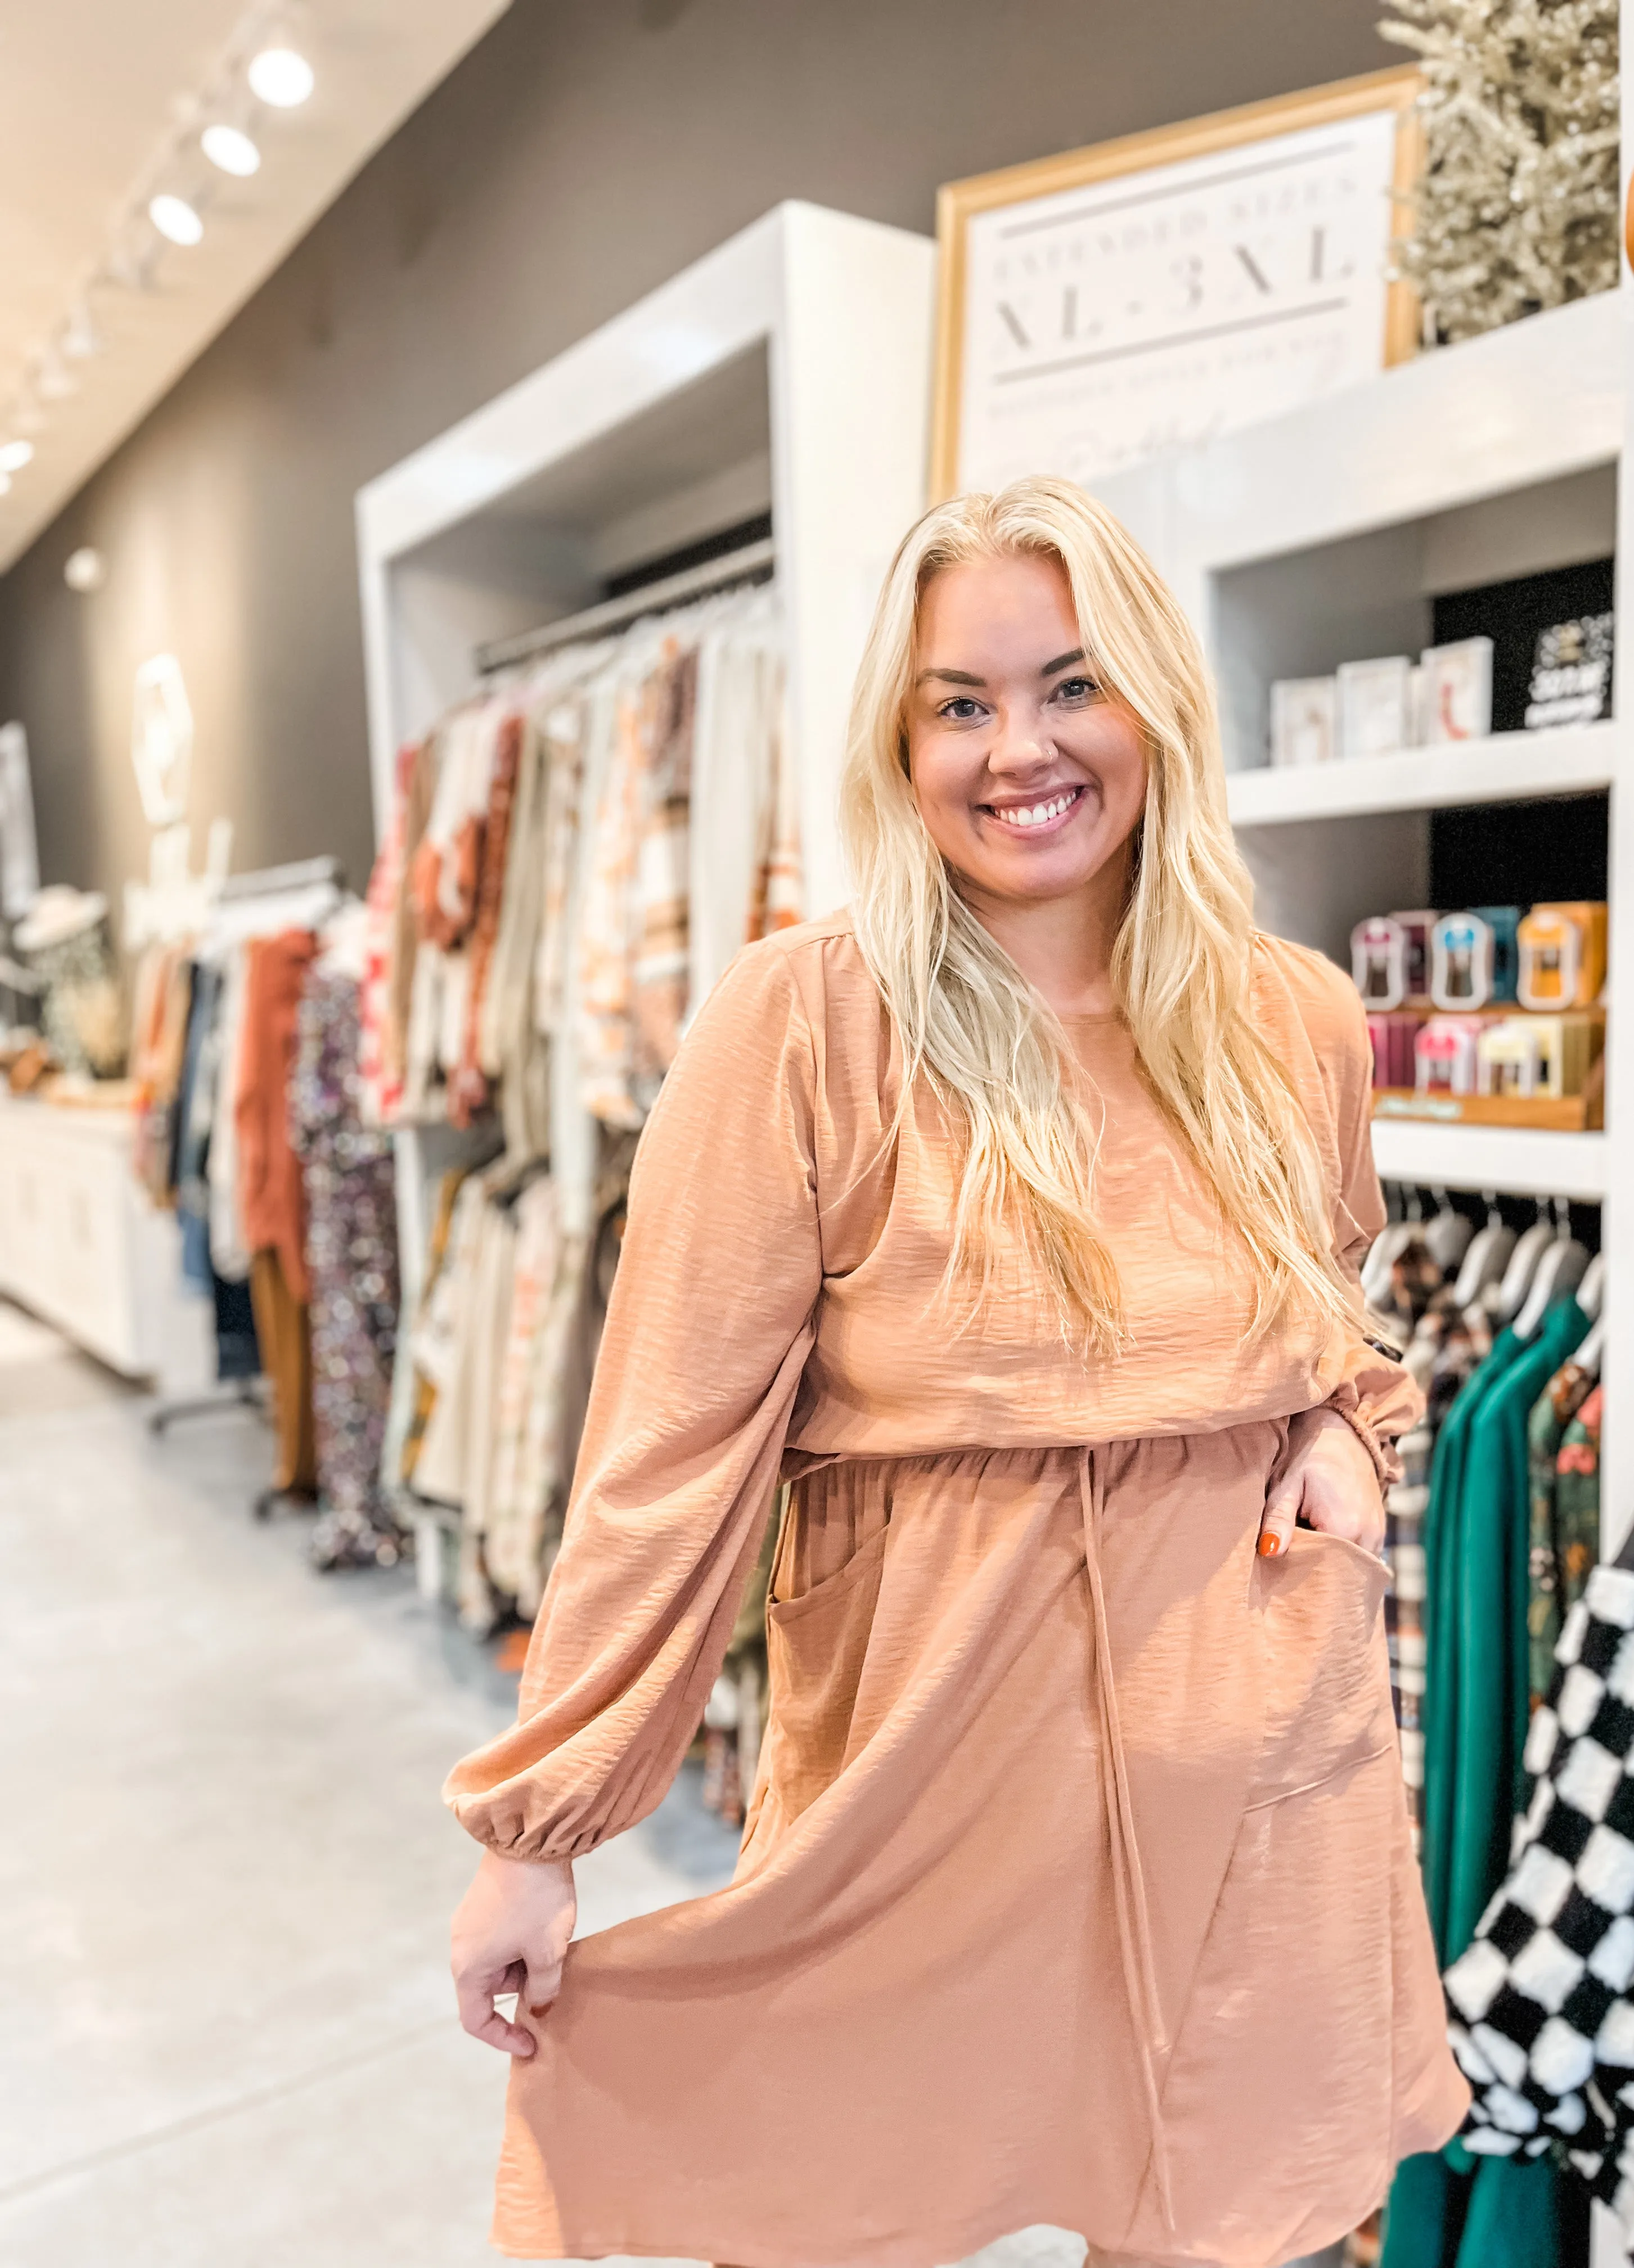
<point>1455,698</point>
<point>1158,289</point>
<point>1305,721</point>
<point>1375,706</point>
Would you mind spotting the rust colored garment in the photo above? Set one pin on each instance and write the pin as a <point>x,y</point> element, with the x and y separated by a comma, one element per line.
<point>1076,1887</point>
<point>270,1173</point>
<point>283,1329</point>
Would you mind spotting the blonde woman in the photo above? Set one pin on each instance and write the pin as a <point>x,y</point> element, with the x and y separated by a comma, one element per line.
<point>1014,1215</point>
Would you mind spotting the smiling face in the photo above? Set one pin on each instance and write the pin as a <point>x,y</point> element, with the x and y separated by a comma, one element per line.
<point>1031,781</point>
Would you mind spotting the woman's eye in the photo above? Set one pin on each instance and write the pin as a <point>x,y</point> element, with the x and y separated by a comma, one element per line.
<point>959,709</point>
<point>1076,688</point>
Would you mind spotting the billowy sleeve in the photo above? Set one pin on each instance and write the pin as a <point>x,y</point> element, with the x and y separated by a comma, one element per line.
<point>1375,1396</point>
<point>710,1321</point>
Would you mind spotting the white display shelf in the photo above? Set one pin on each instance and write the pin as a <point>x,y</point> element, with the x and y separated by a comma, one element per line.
<point>1567,760</point>
<point>1516,1160</point>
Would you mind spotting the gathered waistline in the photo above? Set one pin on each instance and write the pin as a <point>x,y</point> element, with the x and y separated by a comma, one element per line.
<point>798,1462</point>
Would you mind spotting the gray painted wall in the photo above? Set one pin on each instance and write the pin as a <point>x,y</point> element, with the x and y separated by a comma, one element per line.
<point>585,151</point>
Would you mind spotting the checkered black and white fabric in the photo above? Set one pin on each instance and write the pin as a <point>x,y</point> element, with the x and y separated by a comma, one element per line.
<point>1539,2008</point>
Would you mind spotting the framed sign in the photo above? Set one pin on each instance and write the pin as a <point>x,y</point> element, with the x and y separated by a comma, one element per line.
<point>1144,293</point>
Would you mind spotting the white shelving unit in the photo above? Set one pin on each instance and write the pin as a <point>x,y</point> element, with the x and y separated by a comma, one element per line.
<point>787,372</point>
<point>1491,1157</point>
<point>1324,536</point>
<point>1509,768</point>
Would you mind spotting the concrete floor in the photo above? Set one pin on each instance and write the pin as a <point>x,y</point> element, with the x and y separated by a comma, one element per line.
<point>225,1876</point>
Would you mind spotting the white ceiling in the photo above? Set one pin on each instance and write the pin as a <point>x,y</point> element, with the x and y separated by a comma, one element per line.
<point>93,95</point>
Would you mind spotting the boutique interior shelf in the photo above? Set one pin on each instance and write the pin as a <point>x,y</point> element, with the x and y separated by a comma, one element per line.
<point>1516,1161</point>
<point>1357,528</point>
<point>1510,766</point>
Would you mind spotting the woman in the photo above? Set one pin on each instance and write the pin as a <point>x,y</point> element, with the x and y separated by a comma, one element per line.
<point>1015,1216</point>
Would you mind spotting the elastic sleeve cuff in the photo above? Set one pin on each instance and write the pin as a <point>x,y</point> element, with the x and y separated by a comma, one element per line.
<point>1385,1462</point>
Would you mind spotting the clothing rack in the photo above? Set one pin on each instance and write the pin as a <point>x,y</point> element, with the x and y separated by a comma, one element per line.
<point>274,881</point>
<point>752,563</point>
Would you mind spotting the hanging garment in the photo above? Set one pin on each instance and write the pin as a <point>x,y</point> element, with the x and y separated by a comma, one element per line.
<point>229,1252</point>
<point>270,1173</point>
<point>351,1265</point>
<point>282,1332</point>
<point>1476,1710</point>
<point>379,1063</point>
<point>608,917</point>
<point>658,976</point>
<point>468,1086</point>
<point>1543,2024</point>
<point>405,934</point>
<point>1559,1568</point>
<point>1018,1610</point>
<point>426,1356</point>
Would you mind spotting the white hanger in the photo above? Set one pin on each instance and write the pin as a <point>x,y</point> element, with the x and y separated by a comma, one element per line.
<point>1590,1292</point>
<point>1559,1271</point>
<point>1384,1251</point>
<point>1449,1234</point>
<point>1530,1246</point>
<point>1488,1256</point>
<point>1587,1356</point>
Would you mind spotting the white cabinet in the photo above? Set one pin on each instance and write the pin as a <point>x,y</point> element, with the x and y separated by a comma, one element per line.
<point>82,1247</point>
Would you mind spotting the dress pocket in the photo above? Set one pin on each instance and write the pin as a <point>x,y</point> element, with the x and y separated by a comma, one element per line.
<point>1325,1670</point>
<point>816,1644</point>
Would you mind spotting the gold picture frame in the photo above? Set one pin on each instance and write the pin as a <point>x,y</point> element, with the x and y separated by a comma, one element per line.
<point>959,202</point>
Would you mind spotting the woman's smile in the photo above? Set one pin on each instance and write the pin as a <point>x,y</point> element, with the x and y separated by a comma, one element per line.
<point>1042,813</point>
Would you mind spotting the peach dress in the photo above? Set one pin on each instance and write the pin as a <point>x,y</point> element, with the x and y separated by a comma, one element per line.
<point>1077,1888</point>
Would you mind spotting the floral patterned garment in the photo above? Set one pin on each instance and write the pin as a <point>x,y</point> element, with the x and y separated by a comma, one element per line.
<point>351,1259</point>
<point>1560,1563</point>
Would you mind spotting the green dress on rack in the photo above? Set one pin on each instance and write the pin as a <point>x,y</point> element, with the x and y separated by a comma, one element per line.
<point>1508,2214</point>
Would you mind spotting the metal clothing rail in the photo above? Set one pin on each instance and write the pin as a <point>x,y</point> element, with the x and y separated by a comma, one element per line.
<point>751,563</point>
<point>274,881</point>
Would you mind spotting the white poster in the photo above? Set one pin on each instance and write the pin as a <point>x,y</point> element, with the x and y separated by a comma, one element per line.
<point>1143,311</point>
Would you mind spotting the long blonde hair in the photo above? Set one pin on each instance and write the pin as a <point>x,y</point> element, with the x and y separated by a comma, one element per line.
<point>971,1025</point>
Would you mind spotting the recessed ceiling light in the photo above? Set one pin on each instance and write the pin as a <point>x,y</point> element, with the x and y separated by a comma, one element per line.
<point>231,151</point>
<point>281,77</point>
<point>175,218</point>
<point>15,454</point>
<point>85,570</point>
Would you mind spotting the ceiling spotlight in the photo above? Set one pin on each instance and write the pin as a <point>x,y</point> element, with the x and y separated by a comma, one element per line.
<point>280,78</point>
<point>54,381</point>
<point>80,338</point>
<point>85,571</point>
<point>15,454</point>
<point>231,151</point>
<point>175,218</point>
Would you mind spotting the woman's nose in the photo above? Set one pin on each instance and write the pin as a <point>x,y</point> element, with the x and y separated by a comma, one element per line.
<point>1020,745</point>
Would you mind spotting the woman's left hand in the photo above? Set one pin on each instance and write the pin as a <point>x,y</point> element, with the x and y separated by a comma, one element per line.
<point>1329,1481</point>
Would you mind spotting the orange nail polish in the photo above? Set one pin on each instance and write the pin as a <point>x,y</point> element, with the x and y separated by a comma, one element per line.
<point>1270,1545</point>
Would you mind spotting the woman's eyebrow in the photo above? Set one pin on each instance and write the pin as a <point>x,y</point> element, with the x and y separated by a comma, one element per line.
<point>950,677</point>
<point>1062,661</point>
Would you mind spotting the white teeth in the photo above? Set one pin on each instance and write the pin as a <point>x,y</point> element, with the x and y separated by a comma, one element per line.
<point>1035,814</point>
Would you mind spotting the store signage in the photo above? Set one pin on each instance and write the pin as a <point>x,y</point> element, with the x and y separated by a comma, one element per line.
<point>1149,292</point>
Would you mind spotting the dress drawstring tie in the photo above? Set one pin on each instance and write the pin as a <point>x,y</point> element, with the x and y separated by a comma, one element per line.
<point>1140,1978</point>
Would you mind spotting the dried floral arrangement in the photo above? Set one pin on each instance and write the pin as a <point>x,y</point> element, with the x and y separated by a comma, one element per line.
<point>1517,209</point>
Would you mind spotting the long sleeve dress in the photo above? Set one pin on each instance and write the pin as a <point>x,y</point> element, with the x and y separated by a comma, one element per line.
<point>1077,1888</point>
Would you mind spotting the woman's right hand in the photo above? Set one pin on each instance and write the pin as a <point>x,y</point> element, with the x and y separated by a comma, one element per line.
<point>510,1934</point>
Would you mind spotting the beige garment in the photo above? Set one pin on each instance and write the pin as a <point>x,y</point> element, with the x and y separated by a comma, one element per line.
<point>1077,1888</point>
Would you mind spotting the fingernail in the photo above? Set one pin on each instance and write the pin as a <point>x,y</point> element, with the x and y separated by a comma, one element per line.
<point>1270,1545</point>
